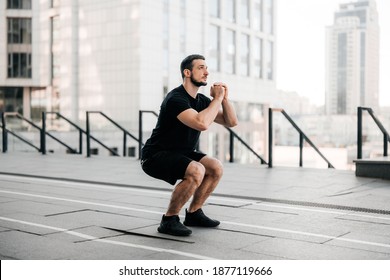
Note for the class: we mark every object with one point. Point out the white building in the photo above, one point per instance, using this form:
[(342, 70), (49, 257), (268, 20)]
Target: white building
[(352, 64), (122, 56)]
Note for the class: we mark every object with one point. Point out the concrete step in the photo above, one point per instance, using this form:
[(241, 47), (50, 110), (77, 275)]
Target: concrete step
[(373, 168)]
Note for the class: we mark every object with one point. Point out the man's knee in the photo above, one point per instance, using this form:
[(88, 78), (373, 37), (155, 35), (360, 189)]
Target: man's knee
[(215, 168), (195, 172)]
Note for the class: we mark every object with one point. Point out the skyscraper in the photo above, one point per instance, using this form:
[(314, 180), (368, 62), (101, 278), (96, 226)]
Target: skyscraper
[(352, 58)]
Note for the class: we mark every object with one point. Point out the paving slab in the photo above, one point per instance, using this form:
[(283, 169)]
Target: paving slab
[(73, 207)]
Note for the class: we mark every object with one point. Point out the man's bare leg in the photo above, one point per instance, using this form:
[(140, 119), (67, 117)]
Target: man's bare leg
[(193, 178), (213, 174)]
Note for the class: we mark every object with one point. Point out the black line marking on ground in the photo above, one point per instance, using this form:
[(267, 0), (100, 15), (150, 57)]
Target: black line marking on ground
[(229, 206), (125, 232), (245, 232), (362, 221), (69, 212)]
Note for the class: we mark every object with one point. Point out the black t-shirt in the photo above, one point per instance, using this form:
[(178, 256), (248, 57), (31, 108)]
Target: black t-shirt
[(170, 134)]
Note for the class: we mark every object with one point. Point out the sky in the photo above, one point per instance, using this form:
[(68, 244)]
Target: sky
[(301, 47)]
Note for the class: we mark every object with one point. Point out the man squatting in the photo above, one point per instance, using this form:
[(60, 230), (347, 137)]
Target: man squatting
[(169, 154)]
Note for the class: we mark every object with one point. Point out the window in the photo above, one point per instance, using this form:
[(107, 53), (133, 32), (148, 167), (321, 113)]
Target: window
[(269, 53), (269, 11), (55, 50), (342, 55), (19, 4), (258, 57), (183, 27), (38, 103), (214, 48), (11, 99), (244, 54), (2, 100), (244, 13), (230, 10), (19, 65), (214, 6), (19, 30), (362, 67), (55, 3), (230, 65), (257, 15), (165, 36)]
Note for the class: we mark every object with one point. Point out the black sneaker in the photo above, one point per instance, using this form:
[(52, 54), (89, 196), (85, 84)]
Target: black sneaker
[(172, 225), (199, 219)]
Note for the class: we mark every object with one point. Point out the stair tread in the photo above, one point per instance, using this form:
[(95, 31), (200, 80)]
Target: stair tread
[(383, 160)]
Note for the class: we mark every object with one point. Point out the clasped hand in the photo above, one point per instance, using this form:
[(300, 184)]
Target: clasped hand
[(219, 91)]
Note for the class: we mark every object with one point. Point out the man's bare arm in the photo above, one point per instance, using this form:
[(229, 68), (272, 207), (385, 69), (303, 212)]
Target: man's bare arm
[(202, 120), (227, 116)]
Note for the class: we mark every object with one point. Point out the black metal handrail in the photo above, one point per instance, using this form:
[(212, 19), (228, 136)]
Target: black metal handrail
[(231, 146), (231, 138), (125, 134), (386, 136), (5, 132), (42, 133), (43, 139), (302, 137)]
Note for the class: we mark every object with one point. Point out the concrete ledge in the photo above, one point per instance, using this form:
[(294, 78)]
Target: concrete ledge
[(373, 168)]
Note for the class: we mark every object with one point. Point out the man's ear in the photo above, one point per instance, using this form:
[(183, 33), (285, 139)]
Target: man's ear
[(187, 72)]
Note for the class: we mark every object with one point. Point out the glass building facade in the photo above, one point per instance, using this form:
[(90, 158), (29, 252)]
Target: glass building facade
[(353, 58), (120, 57)]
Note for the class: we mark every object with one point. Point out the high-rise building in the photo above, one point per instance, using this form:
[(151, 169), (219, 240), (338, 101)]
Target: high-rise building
[(122, 56), (352, 58)]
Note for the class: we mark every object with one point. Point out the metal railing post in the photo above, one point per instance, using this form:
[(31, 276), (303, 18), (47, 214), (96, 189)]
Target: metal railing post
[(231, 147), (140, 134), (385, 144), (5, 135), (300, 149), (124, 143), (43, 134), (80, 141), (88, 136), (270, 137), (359, 133)]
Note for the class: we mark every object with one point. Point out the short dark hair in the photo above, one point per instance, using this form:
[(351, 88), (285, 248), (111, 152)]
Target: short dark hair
[(187, 62)]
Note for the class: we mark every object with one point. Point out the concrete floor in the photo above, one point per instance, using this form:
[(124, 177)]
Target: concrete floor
[(105, 208)]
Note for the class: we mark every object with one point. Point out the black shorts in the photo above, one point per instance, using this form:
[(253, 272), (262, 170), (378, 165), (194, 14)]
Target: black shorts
[(168, 165)]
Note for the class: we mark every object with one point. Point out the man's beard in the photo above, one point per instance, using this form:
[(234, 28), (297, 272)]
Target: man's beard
[(196, 83)]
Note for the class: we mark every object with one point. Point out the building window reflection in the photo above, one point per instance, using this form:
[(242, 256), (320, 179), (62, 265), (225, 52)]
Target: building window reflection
[(19, 4), (230, 65), (230, 10), (11, 99), (269, 16), (244, 55), (214, 8), (269, 53), (19, 30), (257, 15), (244, 13), (19, 65), (258, 57), (214, 48)]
